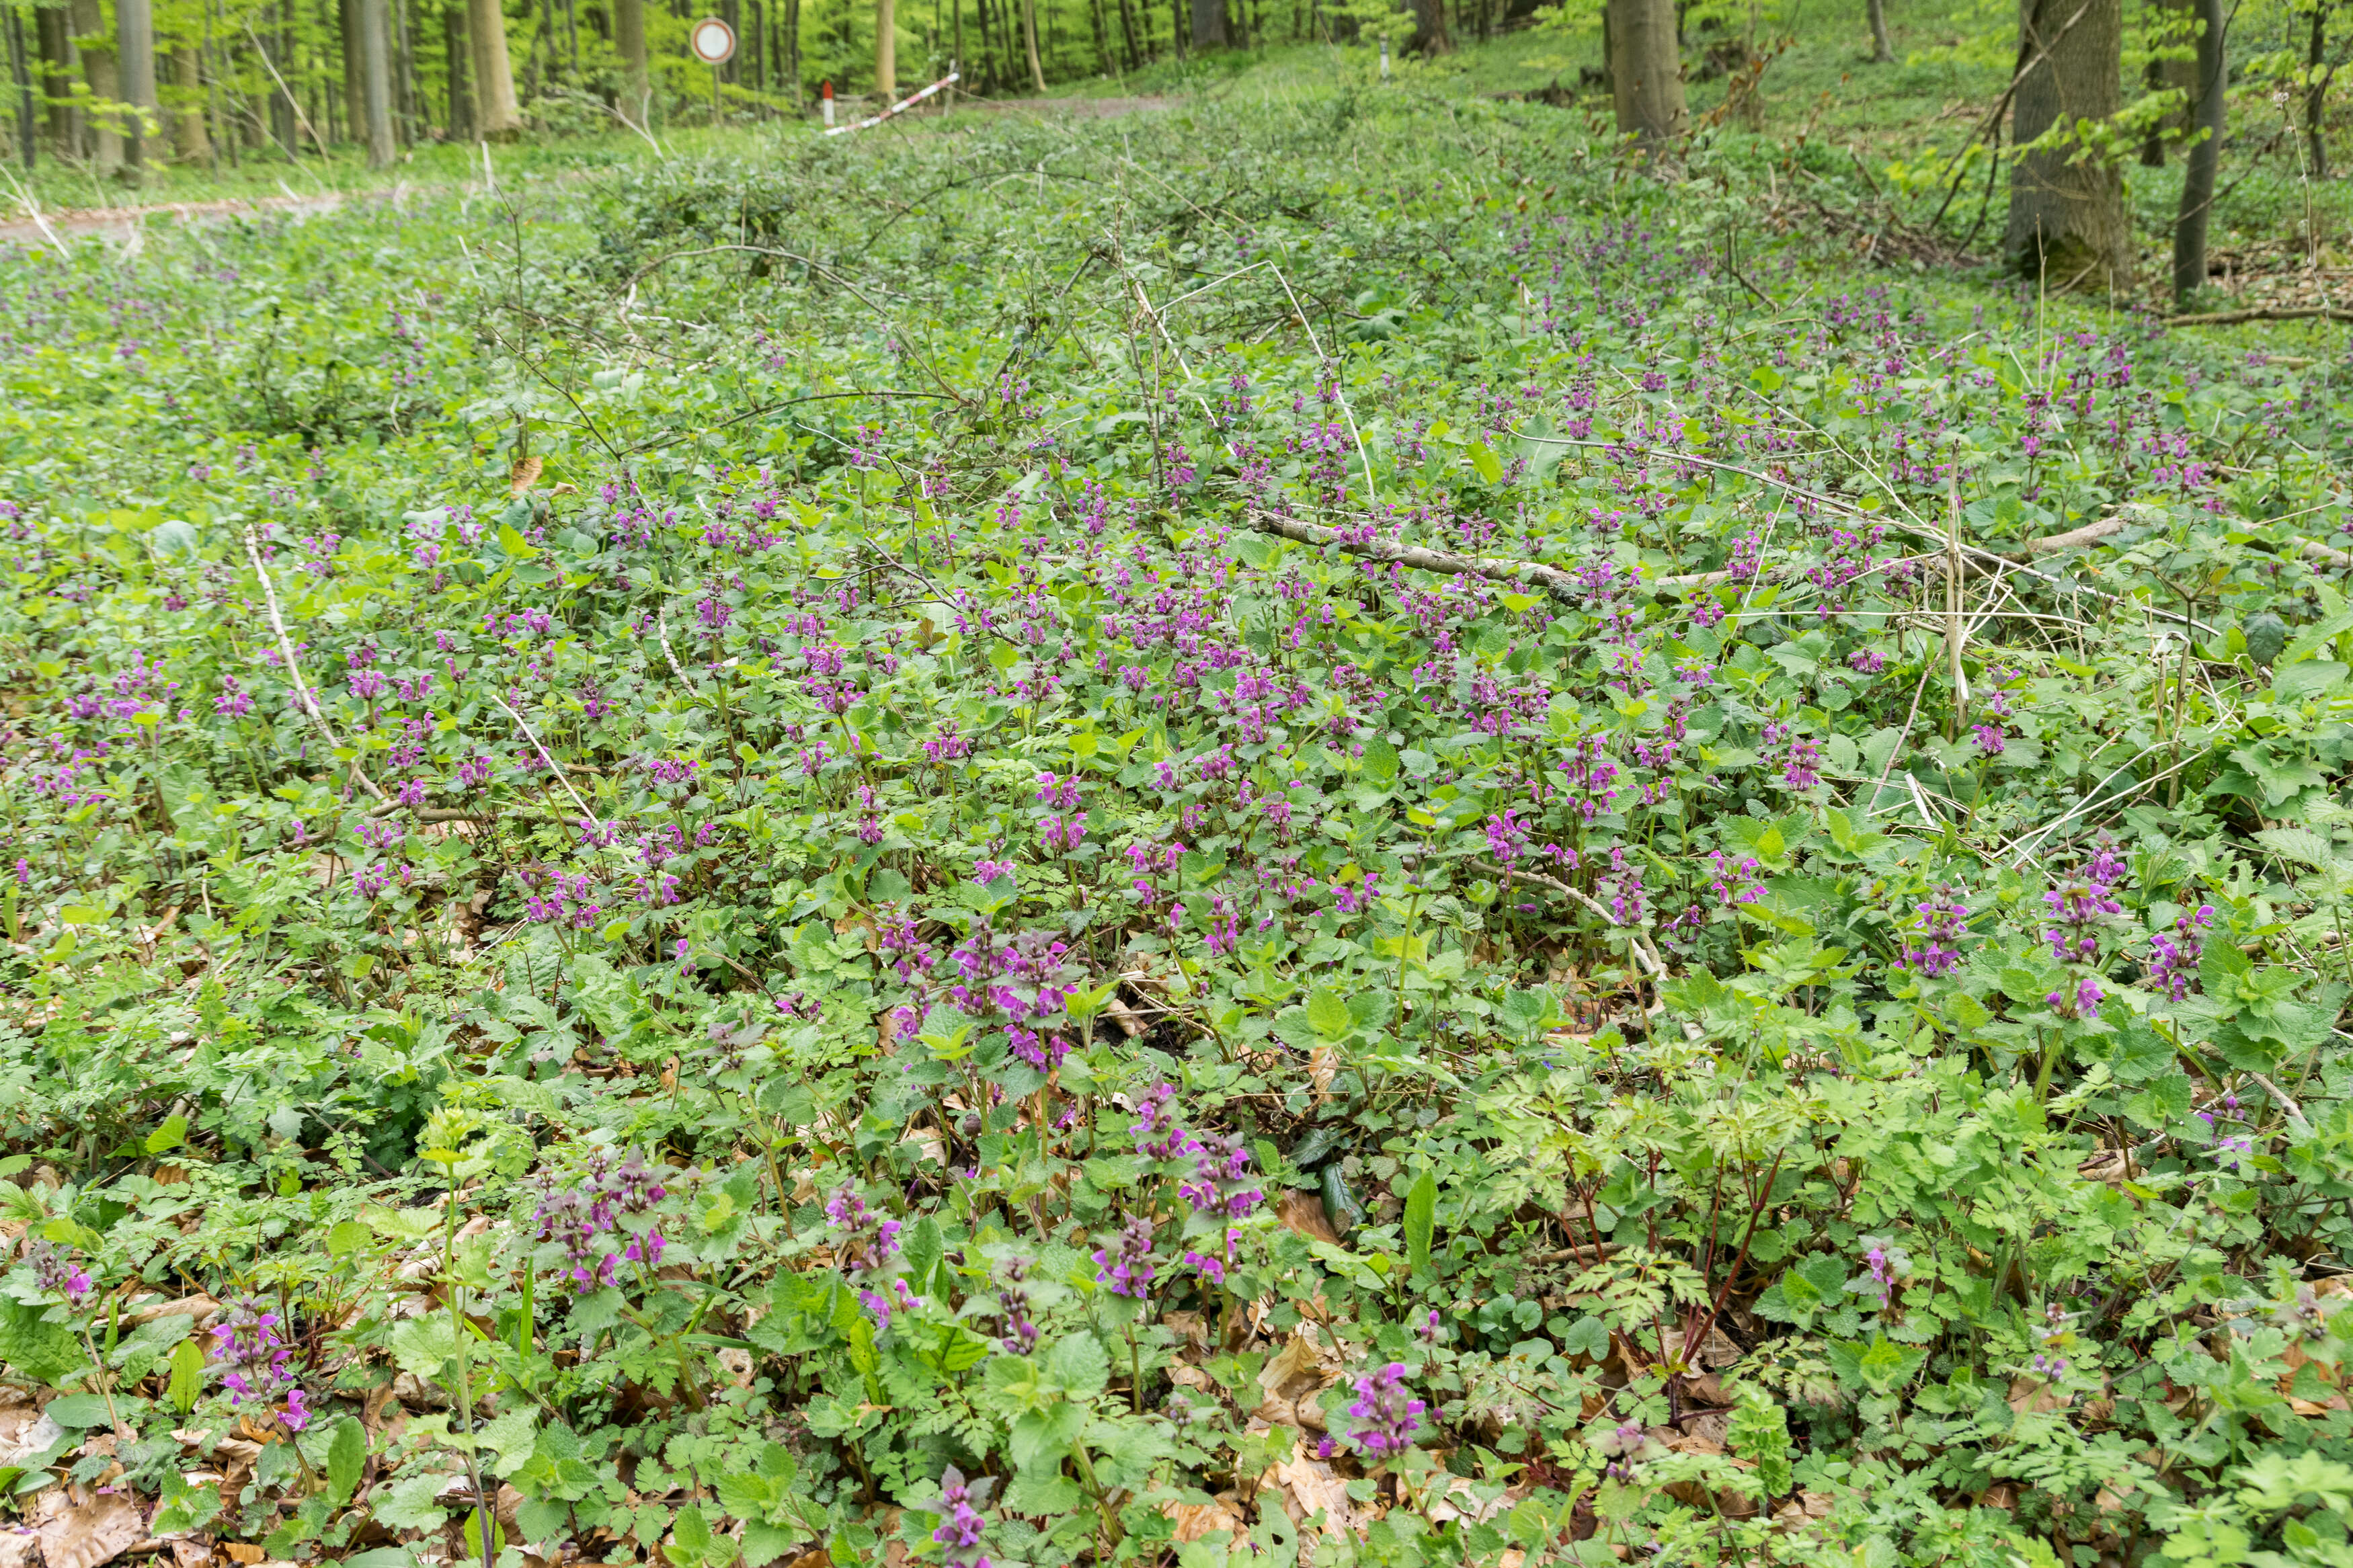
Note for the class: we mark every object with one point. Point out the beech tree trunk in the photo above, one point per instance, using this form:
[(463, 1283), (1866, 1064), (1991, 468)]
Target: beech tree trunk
[(1030, 42), (2067, 217), (134, 28), (1646, 71), (347, 23), (496, 117), (1209, 23), (2210, 111), (460, 120), (1429, 27), (637, 75), (1882, 52), (188, 136), (886, 51), (2316, 92), (2170, 26), (376, 81), (98, 70), (58, 60)]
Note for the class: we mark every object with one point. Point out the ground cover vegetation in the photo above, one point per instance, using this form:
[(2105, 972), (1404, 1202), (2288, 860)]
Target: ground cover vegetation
[(1357, 828)]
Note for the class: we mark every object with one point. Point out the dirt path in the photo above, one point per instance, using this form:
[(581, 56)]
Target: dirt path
[(123, 224)]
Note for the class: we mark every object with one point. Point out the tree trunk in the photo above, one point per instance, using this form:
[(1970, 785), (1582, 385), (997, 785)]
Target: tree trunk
[(496, 118), (2315, 92), (98, 70), (1102, 37), (188, 137), (2067, 218), (1209, 23), (886, 51), (24, 99), (1029, 41), (1429, 27), (1882, 52), (2170, 27), (636, 78), (459, 121), (1646, 71), (135, 26), (2211, 105), (347, 26), (1127, 32), (58, 60), (376, 81)]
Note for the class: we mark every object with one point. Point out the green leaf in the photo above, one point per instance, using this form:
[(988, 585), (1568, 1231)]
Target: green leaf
[(1078, 1365), (43, 1351), (187, 1384), (1759, 1431), (1328, 1014), (346, 1237), (170, 1135), (346, 1458), (424, 1345), (1380, 760), (1043, 1438), (1420, 1218)]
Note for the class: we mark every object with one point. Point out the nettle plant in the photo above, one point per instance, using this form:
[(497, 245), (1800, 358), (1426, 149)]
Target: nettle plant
[(1121, 877)]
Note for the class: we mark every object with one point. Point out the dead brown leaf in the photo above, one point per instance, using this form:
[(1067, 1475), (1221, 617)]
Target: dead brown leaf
[(1308, 1485), (86, 1534), (1303, 1213), (1195, 1521), (524, 474)]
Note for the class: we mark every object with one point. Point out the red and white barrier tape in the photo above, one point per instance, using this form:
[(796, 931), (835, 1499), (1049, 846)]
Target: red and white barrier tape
[(904, 103)]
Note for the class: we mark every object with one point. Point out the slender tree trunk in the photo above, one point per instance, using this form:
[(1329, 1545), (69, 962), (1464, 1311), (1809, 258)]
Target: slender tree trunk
[(793, 47), (135, 26), (2211, 105), (1646, 71), (2315, 90), (636, 80), (376, 81), (1882, 53), (460, 121), (24, 98), (886, 52), (1430, 35), (1030, 42), (1209, 23), (2066, 222), (98, 70), (2170, 26), (347, 28), (963, 65), (1177, 29), (1127, 32), (496, 117), (58, 60), (189, 141), (1103, 39)]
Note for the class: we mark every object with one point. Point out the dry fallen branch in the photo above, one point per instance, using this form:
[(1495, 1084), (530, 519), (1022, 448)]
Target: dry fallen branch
[(307, 702), (2262, 313)]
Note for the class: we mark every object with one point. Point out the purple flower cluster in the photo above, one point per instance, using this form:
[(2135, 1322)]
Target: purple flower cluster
[(961, 1523), (2082, 904), (583, 1215), (1126, 1264), (2173, 960), (253, 1356), (1932, 947), (870, 1258), (57, 1273), (1387, 1417)]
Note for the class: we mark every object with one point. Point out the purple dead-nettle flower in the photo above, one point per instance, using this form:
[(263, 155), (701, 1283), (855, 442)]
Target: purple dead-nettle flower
[(1156, 1133), (870, 1258), (2083, 1004), (1885, 1266), (1801, 765), (1386, 1416), (1220, 1183), (1431, 1329), (1013, 1296), (2173, 959), (1126, 1264), (584, 1215), (57, 1273), (2079, 906), (232, 703), (961, 1524), (252, 1353), (2234, 1153), (1933, 944)]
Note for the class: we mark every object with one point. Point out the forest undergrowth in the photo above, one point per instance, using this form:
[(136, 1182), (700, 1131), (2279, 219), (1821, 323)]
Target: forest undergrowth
[(1326, 832)]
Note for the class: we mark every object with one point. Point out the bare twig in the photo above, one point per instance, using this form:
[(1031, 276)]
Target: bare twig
[(306, 701), (534, 737)]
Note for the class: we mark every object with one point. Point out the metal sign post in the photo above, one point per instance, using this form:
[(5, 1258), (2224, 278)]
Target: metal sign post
[(713, 43)]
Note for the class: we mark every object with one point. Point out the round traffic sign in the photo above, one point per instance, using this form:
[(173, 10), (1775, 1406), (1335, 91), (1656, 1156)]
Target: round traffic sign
[(713, 41)]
